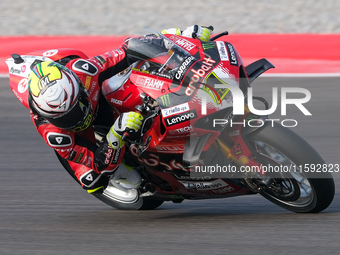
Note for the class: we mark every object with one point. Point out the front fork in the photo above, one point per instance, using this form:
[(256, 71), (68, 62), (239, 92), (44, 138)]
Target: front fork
[(234, 147)]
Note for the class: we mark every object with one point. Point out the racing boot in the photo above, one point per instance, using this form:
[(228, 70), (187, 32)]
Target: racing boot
[(126, 177)]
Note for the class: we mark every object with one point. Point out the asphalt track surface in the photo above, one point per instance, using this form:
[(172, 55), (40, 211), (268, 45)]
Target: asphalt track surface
[(44, 211)]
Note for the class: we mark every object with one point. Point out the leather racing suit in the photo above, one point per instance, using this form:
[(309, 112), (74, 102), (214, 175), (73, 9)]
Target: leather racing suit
[(91, 163)]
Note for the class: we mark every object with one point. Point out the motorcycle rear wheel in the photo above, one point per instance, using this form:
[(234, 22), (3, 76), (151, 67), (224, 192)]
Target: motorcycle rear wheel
[(112, 196), (127, 200), (299, 190)]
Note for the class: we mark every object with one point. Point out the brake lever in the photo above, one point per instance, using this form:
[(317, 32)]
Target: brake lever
[(126, 135), (127, 132)]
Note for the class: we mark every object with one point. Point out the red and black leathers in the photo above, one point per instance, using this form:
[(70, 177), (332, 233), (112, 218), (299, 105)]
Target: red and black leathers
[(89, 161)]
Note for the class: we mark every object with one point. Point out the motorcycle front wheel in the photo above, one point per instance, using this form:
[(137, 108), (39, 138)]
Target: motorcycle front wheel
[(304, 182)]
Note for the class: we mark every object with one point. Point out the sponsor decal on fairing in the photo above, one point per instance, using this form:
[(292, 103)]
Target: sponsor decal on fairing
[(222, 50), (149, 83), (184, 67), (177, 119), (211, 185), (199, 74), (116, 101), (175, 110), (185, 44), (183, 130), (170, 149), (232, 55)]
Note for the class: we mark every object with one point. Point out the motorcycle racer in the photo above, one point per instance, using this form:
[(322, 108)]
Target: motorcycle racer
[(65, 99)]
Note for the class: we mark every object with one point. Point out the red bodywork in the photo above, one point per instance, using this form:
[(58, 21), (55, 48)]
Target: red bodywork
[(163, 155)]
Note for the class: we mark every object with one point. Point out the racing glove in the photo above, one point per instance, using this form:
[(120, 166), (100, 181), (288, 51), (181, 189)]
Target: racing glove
[(200, 32), (127, 121), (172, 31)]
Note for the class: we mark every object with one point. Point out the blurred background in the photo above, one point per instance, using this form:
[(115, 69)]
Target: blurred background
[(118, 17), (44, 211)]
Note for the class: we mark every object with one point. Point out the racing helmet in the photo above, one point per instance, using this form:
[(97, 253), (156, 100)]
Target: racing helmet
[(57, 94)]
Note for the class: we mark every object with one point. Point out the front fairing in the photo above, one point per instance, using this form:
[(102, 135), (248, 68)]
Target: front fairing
[(162, 57), (174, 69), (181, 74), (161, 66)]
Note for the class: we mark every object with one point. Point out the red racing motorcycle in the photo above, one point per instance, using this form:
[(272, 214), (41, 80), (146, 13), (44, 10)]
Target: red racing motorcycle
[(188, 147)]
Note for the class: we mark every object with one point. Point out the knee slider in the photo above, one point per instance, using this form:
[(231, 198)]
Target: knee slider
[(93, 181)]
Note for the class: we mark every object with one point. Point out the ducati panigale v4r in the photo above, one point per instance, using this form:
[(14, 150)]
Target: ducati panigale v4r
[(187, 147)]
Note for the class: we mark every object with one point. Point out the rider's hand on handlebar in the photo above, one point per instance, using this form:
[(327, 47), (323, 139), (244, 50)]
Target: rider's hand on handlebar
[(201, 32), (126, 122)]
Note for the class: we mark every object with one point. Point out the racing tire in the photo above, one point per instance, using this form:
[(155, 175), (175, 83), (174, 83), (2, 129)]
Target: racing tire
[(306, 191), (115, 197), (142, 203)]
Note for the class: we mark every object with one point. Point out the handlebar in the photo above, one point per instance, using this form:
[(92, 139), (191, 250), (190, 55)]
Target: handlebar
[(219, 35), (149, 115)]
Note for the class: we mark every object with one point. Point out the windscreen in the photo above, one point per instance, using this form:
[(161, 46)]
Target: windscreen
[(159, 55)]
